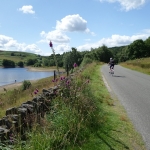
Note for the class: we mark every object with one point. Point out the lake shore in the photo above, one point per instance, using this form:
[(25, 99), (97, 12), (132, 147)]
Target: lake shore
[(18, 84), (13, 86), (43, 69)]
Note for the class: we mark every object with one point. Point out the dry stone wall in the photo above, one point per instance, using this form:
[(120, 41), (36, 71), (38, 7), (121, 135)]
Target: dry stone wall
[(20, 119)]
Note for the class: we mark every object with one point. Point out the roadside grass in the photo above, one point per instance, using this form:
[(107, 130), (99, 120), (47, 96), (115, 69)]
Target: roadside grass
[(141, 65), (91, 120), (116, 132)]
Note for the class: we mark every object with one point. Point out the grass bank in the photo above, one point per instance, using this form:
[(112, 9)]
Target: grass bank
[(86, 118), (14, 96), (141, 65)]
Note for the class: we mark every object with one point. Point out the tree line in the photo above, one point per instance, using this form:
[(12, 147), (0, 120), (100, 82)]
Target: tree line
[(137, 49)]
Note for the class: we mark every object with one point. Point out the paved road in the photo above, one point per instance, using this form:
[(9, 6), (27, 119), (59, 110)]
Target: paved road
[(133, 90)]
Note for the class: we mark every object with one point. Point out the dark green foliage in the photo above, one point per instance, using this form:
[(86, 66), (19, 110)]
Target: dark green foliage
[(70, 58), (46, 62), (38, 64), (31, 62), (8, 63), (86, 61), (20, 64), (103, 54), (136, 50), (12, 54), (26, 84), (147, 44)]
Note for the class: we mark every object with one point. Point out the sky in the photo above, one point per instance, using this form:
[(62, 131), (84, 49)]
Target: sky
[(29, 25)]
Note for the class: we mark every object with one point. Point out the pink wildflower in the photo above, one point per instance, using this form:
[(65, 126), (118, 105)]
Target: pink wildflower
[(75, 65), (50, 44), (68, 82), (62, 78), (35, 92)]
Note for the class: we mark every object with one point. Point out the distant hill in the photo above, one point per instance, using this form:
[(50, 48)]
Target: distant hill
[(17, 56)]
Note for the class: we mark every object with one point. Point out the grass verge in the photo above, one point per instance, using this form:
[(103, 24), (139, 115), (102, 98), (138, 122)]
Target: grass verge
[(141, 65), (116, 132), (86, 118)]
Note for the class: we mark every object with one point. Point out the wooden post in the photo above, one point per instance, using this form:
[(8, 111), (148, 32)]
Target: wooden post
[(54, 75), (67, 70)]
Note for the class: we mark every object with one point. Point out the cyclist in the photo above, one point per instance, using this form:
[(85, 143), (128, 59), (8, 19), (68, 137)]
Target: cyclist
[(111, 64)]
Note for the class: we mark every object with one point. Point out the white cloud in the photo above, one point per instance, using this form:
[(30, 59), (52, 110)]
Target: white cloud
[(62, 48), (72, 23), (8, 43), (31, 48), (115, 40), (127, 4), (28, 9), (56, 36), (59, 36)]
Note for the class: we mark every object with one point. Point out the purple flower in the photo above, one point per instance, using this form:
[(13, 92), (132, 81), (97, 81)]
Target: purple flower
[(35, 92), (68, 82), (62, 78), (50, 44), (75, 65)]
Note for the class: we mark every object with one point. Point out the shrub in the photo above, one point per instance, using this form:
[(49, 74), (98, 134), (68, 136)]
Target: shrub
[(26, 85), (86, 61)]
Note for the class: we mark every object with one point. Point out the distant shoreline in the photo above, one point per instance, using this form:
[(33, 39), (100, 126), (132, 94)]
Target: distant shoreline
[(18, 84), (13, 85), (41, 69)]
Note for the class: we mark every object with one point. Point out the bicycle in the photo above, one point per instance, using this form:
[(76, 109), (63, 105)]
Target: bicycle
[(111, 70)]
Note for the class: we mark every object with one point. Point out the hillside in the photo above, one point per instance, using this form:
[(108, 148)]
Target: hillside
[(16, 56)]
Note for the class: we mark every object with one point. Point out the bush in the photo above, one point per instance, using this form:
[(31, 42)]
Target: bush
[(20, 64), (26, 85), (8, 63), (86, 61)]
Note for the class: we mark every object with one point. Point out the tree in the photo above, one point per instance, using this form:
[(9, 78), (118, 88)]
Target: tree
[(137, 49), (31, 62), (8, 63), (20, 64), (103, 54), (147, 44), (70, 58), (12, 54), (45, 62)]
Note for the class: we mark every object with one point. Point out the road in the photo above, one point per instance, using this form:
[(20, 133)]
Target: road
[(133, 90)]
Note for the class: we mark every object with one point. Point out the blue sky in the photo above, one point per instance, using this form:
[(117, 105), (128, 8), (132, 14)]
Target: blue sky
[(29, 25)]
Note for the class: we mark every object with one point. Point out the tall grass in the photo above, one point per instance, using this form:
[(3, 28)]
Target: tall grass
[(142, 65)]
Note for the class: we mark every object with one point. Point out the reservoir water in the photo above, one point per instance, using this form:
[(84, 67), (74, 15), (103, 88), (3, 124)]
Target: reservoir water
[(9, 75)]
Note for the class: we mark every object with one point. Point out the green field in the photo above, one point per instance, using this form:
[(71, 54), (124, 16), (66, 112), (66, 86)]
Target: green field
[(16, 56)]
